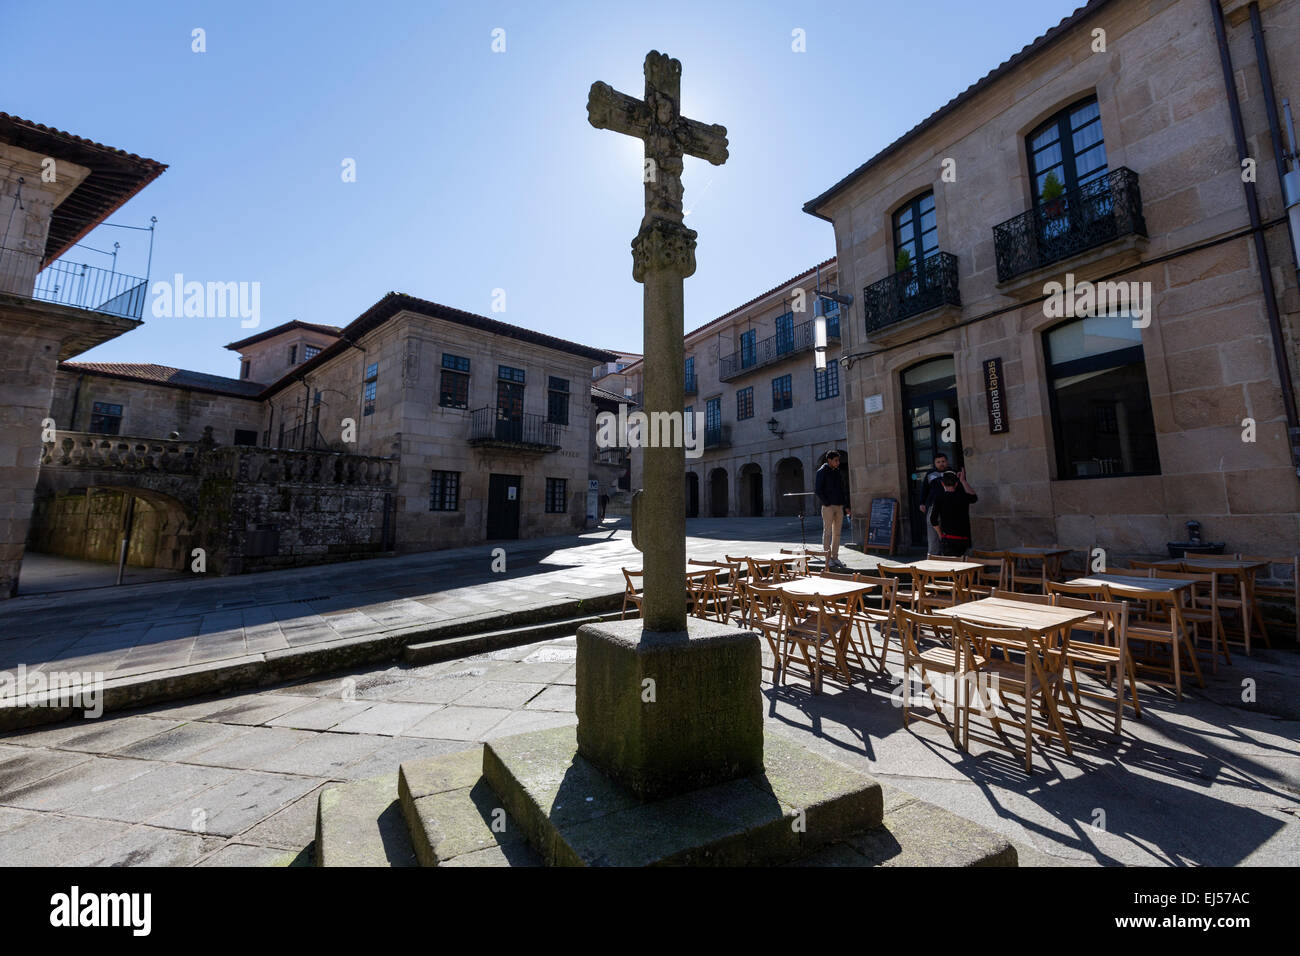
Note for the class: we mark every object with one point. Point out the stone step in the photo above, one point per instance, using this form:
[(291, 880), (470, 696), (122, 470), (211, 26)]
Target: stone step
[(447, 814), (361, 824), (428, 652)]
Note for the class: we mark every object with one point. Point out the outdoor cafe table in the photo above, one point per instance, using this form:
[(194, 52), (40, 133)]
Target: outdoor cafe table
[(835, 589), (1244, 572), (1041, 619)]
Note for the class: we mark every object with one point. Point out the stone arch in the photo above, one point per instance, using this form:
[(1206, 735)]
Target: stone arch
[(85, 522), (788, 478), (692, 494), (718, 505), (749, 491)]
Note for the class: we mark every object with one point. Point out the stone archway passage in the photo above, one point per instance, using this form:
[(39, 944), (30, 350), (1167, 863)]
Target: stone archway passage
[(718, 505), (790, 481), (692, 495), (86, 523), (749, 491)]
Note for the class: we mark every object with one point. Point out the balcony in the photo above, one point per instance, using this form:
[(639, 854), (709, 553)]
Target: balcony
[(905, 294), (504, 428), (72, 284), (1104, 210), (773, 349), (717, 437)]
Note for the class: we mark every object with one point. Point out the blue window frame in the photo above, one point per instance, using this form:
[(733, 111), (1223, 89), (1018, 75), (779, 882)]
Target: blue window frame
[(745, 403), (827, 380), (372, 388), (782, 393), (785, 333), (747, 357)]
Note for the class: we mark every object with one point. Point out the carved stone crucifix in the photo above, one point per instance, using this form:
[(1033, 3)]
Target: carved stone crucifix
[(663, 255)]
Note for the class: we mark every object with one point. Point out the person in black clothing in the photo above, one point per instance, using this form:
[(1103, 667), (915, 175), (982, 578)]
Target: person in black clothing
[(833, 496), (929, 489), (950, 513)]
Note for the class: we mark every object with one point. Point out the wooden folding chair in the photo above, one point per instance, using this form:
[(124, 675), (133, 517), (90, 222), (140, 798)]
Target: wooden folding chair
[(728, 593), (1020, 596), (1029, 678), (812, 624), (1105, 650), (808, 554), (883, 618), (1202, 608), (1155, 566), (765, 613), (630, 594), (703, 599), (991, 576), (930, 647), (936, 589), (1161, 627), (905, 577)]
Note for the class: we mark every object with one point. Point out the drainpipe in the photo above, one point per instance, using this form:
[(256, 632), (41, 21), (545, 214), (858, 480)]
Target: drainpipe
[(76, 397), (1261, 247), (1274, 130)]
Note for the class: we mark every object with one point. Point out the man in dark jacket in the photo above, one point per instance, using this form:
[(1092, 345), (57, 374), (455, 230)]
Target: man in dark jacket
[(833, 496), (950, 513), (931, 487)]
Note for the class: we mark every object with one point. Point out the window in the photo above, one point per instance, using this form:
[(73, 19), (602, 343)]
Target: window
[(557, 401), (245, 436), (293, 355), (747, 349), (782, 395), (454, 389), (105, 419), (831, 310), (916, 230), (310, 352), (243, 368), (556, 499), (508, 374), (1101, 406), (690, 373), (444, 491), (745, 403), (1070, 146), (785, 333), (688, 422), (827, 380), (713, 416), (372, 387)]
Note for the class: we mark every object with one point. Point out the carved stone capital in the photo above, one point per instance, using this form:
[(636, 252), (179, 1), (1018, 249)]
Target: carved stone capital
[(663, 245)]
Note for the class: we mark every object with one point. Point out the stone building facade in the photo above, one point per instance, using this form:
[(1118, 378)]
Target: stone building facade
[(491, 422), (1107, 424), (770, 416), (269, 355), (54, 188)]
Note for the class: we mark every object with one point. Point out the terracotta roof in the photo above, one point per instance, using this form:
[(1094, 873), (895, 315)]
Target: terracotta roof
[(1036, 46), (395, 302), (115, 176), (740, 308), (281, 329), (168, 376)]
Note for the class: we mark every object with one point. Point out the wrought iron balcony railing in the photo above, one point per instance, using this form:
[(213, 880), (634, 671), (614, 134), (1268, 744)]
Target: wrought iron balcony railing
[(503, 426), (1080, 219), (927, 285), (774, 348), (717, 437), (71, 283)]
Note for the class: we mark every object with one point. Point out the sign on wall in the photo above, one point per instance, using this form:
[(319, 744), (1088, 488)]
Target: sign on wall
[(995, 393), (593, 499)]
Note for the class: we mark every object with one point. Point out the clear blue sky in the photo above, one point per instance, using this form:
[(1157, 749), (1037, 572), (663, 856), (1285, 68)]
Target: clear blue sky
[(476, 170)]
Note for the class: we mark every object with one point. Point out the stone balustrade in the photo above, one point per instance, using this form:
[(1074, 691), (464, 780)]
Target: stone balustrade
[(121, 453)]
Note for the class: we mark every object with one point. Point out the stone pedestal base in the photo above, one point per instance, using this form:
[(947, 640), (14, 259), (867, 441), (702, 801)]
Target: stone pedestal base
[(661, 714)]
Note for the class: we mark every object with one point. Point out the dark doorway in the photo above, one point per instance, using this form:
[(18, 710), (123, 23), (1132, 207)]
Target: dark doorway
[(718, 493), (930, 426), (692, 495), (751, 491), (503, 507), (789, 488)]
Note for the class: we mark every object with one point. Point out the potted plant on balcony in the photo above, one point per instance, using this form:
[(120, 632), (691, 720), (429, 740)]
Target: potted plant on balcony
[(1053, 191), (906, 273)]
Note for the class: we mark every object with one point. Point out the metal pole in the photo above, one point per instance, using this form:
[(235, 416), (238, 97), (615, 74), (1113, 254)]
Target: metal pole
[(126, 536)]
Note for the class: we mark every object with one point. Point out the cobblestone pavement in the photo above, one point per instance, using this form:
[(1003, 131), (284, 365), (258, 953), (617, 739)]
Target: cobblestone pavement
[(235, 780), (178, 625)]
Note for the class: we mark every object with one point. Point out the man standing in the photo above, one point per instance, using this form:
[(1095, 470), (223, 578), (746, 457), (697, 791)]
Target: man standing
[(950, 513), (833, 496)]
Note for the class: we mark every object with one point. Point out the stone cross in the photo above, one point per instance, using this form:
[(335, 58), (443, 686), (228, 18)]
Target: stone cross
[(663, 255)]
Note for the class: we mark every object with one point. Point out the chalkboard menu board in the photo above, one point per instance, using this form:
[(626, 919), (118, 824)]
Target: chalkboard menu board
[(882, 524)]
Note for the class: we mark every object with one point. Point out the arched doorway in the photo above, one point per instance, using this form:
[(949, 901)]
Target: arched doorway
[(749, 493), (789, 481), (89, 524), (718, 493), (692, 495)]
